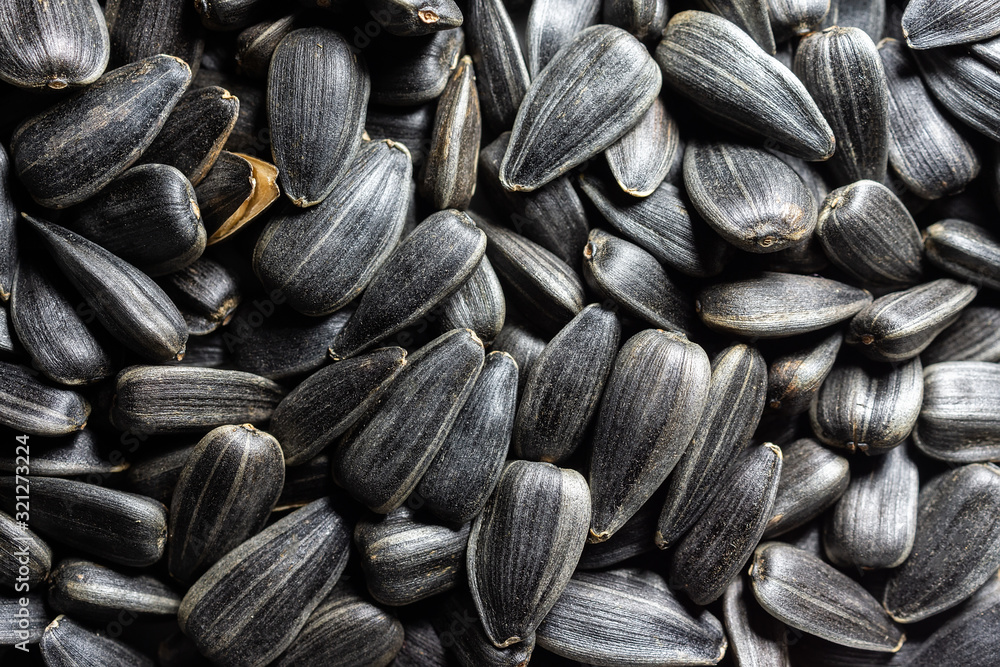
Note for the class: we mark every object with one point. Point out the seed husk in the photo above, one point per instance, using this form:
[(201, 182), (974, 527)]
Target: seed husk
[(643, 157), (964, 250), (263, 193), (750, 197), (7, 346), (224, 195), (629, 617), (65, 643), (966, 84), (900, 325), (603, 67), (69, 456), (873, 524), (246, 611), (925, 149), (225, 493), (181, 399), (33, 554), (93, 592), (422, 647), (637, 443), (503, 75), (957, 544), (868, 233), (51, 330), (867, 407), (138, 30), (286, 344), (869, 15), (255, 45), (17, 626), (116, 526), (430, 265), (523, 345), (750, 15), (812, 479), (229, 14), (842, 71), (551, 25), (459, 627), (29, 406), (317, 92), (929, 24), (478, 305), (348, 630), (330, 401), (382, 461), (323, 257), (410, 18), (643, 18), (69, 152), (449, 177), (8, 222), (53, 46), (564, 386), (665, 224), (148, 216), (778, 305), (757, 95), (156, 477), (407, 558), (524, 546), (802, 591), (792, 18), (756, 638), (968, 638), (975, 336), (207, 292), (632, 539), (959, 418), (795, 377), (465, 470), (413, 70), (735, 402)]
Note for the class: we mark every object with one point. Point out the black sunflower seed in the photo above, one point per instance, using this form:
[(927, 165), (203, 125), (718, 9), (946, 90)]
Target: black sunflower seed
[(97, 593), (503, 75), (959, 420), (812, 479)]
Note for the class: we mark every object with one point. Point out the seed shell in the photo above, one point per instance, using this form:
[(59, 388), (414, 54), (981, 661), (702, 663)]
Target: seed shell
[(757, 639), (959, 418), (208, 293), (229, 14), (69, 456), (643, 157), (139, 29), (757, 94), (478, 305), (181, 399), (29, 406), (795, 377), (409, 18), (524, 546), (750, 15), (873, 524), (255, 46), (964, 250), (975, 336), (413, 70), (957, 544), (812, 479), (523, 345), (20, 622), (225, 194), (551, 25), (116, 526), (556, 130), (407, 558), (422, 647), (412, 126), (868, 15), (156, 477), (286, 344), (643, 18), (968, 638), (24, 557), (792, 18), (91, 591), (8, 222), (382, 462), (65, 643), (929, 24), (967, 85), (69, 152), (503, 75)]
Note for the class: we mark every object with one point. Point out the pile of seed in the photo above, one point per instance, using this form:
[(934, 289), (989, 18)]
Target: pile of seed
[(424, 333)]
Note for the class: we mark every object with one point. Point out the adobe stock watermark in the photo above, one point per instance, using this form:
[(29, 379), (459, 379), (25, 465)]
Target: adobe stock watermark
[(22, 553)]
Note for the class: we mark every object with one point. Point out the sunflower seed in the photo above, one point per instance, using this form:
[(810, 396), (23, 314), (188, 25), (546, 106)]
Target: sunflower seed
[(246, 136), (966, 85), (929, 24), (523, 345), (524, 546), (148, 216), (643, 18), (411, 126), (331, 400), (551, 25), (449, 178), (422, 647), (139, 30), (970, 637), (793, 18), (637, 444), (65, 643), (286, 344), (777, 305), (564, 386), (751, 16), (51, 330), (53, 46), (867, 407), (959, 420), (465, 470), (413, 70), (802, 591), (246, 611), (316, 97), (410, 18), (478, 305), (956, 545), (323, 257), (873, 524), (664, 224), (713, 63), (735, 402), (29, 406), (407, 559), (927, 152), (552, 216), (7, 345), (461, 631), (868, 15), (964, 250), (899, 326), (503, 75), (643, 157), (208, 293), (632, 539), (757, 639), (382, 462), (812, 479), (345, 629), (94, 592), (626, 617), (76, 454), (975, 336), (255, 46), (157, 477), (225, 194), (795, 377), (69, 152), (179, 399), (555, 128), (8, 222), (868, 233), (20, 622), (229, 14), (751, 198), (24, 557), (123, 528)]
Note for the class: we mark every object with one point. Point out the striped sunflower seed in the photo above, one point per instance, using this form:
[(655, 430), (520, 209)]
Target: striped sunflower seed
[(503, 74), (523, 345), (422, 647), (750, 15), (91, 591), (975, 336), (69, 456), (964, 250), (29, 406), (410, 18), (287, 344), (794, 378), (959, 418), (411, 126), (207, 292), (551, 25), (414, 70), (306, 483), (968, 638), (139, 30), (255, 46), (966, 84), (930, 24), (793, 18), (18, 539), (644, 156), (756, 638), (812, 479), (65, 643), (8, 222), (869, 15), (643, 18), (478, 305), (229, 14)]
